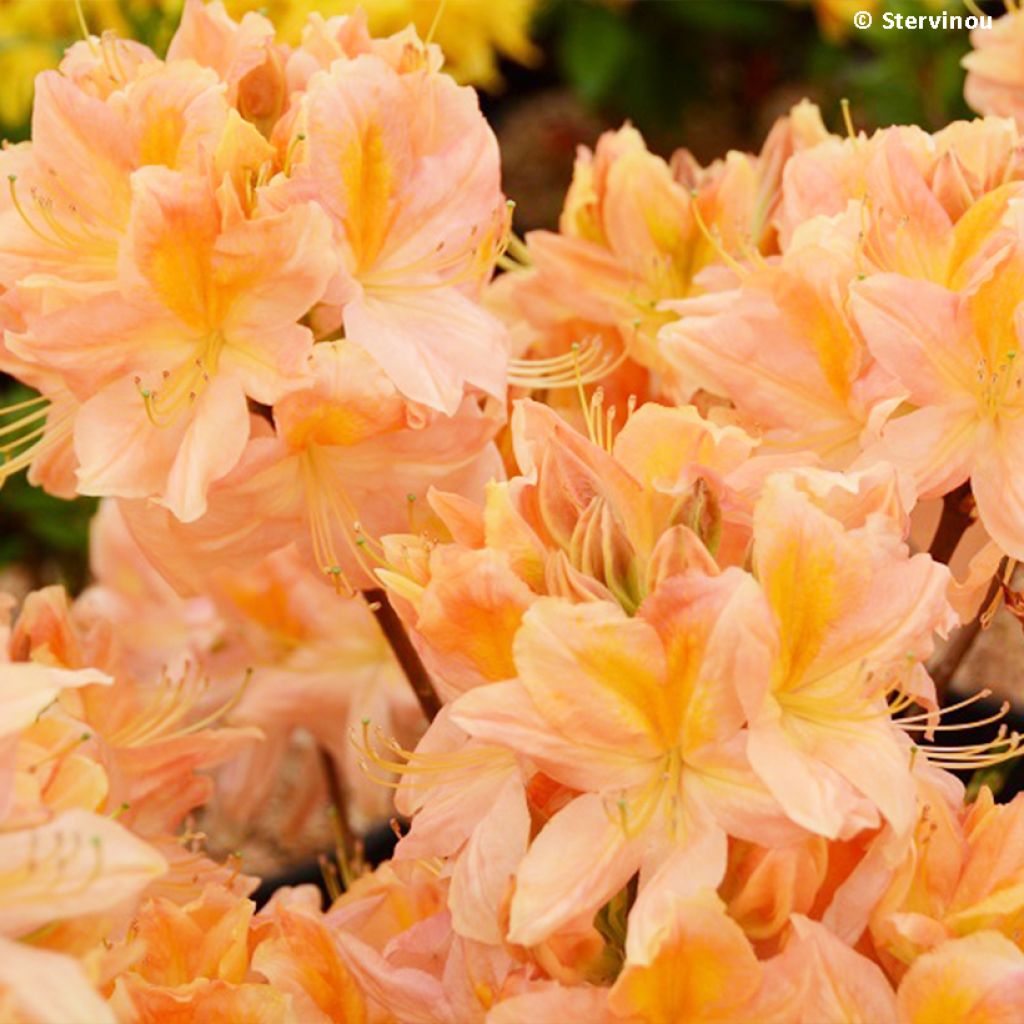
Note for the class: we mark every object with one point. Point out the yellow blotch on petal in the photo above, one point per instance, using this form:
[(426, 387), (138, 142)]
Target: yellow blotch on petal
[(369, 186), (800, 584), (703, 970)]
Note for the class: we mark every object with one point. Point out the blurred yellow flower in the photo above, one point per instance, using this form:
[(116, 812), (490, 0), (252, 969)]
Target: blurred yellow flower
[(473, 34), (835, 17), (33, 34)]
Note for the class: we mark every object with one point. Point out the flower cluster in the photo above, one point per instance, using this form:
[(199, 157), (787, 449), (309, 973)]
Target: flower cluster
[(644, 509), (474, 36)]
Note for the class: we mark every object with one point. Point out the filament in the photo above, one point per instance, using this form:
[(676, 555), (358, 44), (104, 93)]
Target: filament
[(714, 240), (329, 507), (585, 363), (851, 132), (397, 760), (183, 385)]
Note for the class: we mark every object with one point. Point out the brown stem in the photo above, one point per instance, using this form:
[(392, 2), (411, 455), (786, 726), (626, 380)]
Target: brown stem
[(344, 840), (412, 666), (962, 642), (955, 518)]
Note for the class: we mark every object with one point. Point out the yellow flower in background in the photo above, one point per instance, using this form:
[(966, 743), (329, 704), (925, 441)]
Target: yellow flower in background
[(33, 35), (835, 17), (472, 33)]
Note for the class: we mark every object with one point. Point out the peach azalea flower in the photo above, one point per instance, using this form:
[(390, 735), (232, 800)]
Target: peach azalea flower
[(407, 169), (850, 615), (954, 354), (657, 765), (978, 979), (41, 987)]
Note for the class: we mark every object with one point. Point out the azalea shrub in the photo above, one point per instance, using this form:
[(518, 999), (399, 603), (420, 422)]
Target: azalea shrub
[(622, 568)]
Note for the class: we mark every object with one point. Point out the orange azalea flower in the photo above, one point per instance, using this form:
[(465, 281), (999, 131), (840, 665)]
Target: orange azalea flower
[(851, 615), (977, 979), (76, 864), (37, 985), (994, 83), (201, 323), (954, 355), (142, 740), (210, 960), (407, 169), (641, 716), (963, 875), (636, 231), (317, 482), (926, 207), (599, 520)]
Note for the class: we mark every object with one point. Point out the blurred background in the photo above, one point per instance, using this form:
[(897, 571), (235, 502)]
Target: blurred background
[(710, 75)]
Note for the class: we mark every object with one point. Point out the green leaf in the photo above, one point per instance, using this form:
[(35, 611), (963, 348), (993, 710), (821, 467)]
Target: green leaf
[(593, 50)]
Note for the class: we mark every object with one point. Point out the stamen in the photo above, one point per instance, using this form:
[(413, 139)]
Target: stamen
[(585, 363), (289, 155), (84, 28), (11, 183), (60, 752), (595, 421), (329, 871), (519, 250), (851, 132), (40, 443), (175, 698), (435, 23), (471, 260), (36, 414), (432, 767), (713, 238), (183, 385), (329, 508), (980, 695), (1003, 711), (29, 403)]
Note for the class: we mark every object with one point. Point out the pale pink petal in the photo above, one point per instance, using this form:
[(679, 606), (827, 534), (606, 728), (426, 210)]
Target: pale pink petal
[(548, 1001), (691, 870), (595, 674), (812, 794), (919, 332), (123, 453), (48, 988), (431, 343), (413, 994), (120, 451), (504, 714), (936, 445), (211, 447), (83, 863), (977, 979), (720, 780), (484, 870), (835, 983), (26, 689), (997, 483), (579, 860)]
